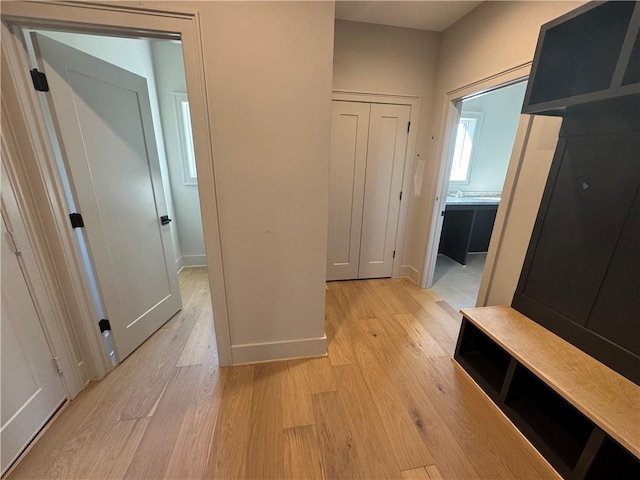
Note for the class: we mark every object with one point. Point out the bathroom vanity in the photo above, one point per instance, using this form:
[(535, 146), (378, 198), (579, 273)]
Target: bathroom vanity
[(467, 226)]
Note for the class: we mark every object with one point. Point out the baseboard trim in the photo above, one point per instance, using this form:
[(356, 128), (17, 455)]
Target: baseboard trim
[(179, 264), (194, 260), (264, 352), (409, 272), (14, 465), (186, 261)]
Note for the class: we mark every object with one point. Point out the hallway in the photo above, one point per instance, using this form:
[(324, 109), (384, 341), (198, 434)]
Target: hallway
[(386, 403)]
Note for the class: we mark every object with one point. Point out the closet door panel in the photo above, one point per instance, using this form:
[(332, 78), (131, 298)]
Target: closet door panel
[(349, 133), (386, 152)]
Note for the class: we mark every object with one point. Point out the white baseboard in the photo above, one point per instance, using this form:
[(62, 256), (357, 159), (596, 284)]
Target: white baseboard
[(264, 352), (190, 261), (407, 271), (194, 260)]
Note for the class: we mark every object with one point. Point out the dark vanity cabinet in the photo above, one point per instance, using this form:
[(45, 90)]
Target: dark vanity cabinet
[(467, 228)]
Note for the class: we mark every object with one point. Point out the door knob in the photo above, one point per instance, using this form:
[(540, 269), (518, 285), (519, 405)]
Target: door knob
[(165, 220)]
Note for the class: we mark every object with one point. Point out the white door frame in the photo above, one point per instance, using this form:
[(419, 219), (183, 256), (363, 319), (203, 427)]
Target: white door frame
[(448, 123), (399, 270), (123, 21)]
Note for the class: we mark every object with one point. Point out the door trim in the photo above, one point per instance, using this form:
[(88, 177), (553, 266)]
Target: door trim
[(26, 229), (123, 21), (399, 270), (448, 122)]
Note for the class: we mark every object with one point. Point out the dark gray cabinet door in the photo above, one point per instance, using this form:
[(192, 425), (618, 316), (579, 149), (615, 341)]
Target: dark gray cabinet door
[(591, 197), (616, 312)]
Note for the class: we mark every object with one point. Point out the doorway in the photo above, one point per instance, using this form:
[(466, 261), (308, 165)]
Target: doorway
[(107, 144), (118, 113), (480, 152)]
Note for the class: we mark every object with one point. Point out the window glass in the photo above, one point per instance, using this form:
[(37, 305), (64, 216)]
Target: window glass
[(186, 139), (463, 150)]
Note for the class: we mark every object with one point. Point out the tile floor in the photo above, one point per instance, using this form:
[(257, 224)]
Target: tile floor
[(458, 284)]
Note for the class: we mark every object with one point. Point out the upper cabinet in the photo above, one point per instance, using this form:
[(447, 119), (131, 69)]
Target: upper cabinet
[(587, 55)]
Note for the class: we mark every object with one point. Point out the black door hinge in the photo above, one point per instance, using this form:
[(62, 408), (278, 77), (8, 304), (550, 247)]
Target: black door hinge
[(39, 80), (104, 325), (400, 195), (394, 254), (76, 220), (408, 127)]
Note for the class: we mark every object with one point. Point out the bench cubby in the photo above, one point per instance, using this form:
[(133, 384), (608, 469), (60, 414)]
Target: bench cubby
[(581, 416)]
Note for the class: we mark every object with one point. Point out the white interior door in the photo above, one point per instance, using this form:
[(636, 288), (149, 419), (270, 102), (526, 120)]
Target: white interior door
[(103, 122), (387, 147), (349, 134), (31, 390)]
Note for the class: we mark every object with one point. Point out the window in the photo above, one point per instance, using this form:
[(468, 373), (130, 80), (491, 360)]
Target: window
[(468, 126), (186, 138)]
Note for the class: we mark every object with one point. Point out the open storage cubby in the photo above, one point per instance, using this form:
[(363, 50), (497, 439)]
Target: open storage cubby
[(578, 413), (586, 55), (611, 454), (550, 423), (485, 361), (580, 55)]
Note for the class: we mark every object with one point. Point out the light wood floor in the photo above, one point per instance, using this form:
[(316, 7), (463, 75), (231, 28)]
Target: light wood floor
[(387, 402)]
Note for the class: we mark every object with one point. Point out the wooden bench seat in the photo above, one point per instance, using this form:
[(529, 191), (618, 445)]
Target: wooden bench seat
[(501, 348)]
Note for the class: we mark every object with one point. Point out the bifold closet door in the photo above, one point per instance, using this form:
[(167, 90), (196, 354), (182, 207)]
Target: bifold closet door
[(387, 147), (349, 134)]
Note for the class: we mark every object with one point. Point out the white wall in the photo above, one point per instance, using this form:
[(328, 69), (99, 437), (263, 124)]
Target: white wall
[(168, 66), (268, 69), (493, 38), (391, 60), (500, 111), (133, 55)]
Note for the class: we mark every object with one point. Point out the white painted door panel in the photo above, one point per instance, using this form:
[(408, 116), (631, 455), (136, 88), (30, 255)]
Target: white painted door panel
[(387, 147), (349, 133), (31, 389), (103, 120)]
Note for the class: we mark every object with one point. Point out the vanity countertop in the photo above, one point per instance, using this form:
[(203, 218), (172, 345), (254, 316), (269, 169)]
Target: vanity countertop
[(473, 200)]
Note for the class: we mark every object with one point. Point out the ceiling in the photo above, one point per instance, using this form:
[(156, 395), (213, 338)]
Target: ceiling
[(435, 16)]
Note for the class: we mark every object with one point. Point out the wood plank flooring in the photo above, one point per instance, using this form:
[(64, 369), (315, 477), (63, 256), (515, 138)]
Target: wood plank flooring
[(387, 402)]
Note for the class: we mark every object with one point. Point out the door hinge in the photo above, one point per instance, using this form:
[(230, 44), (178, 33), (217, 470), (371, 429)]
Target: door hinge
[(408, 127), (56, 360), (394, 254), (16, 247), (442, 213), (104, 325), (400, 195), (39, 80), (76, 220)]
